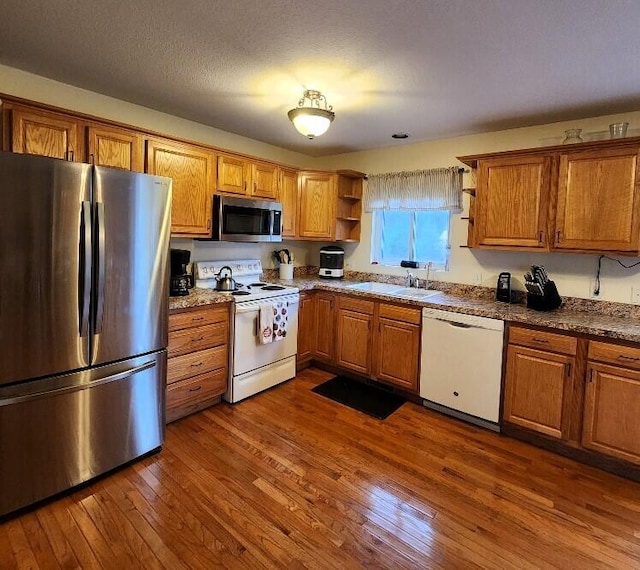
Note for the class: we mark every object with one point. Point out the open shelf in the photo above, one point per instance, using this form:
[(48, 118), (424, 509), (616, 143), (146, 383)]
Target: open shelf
[(349, 205), (348, 219)]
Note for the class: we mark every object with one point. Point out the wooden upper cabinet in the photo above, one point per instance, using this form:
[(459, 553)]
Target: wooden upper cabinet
[(288, 196), (317, 205), (611, 411), (537, 390), (598, 201), (512, 201), (35, 131), (114, 147), (192, 171), (264, 180), (234, 175)]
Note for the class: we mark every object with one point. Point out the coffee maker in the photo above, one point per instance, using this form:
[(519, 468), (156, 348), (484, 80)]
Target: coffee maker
[(179, 284)]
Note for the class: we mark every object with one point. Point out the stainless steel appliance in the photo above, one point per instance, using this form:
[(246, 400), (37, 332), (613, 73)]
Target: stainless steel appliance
[(244, 219), (254, 367), (83, 322), (461, 366), (331, 262)]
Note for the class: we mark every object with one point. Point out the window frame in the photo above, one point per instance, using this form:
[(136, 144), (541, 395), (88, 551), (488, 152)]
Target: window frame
[(376, 239)]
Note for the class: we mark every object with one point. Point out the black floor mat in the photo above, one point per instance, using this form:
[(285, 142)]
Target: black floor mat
[(365, 398)]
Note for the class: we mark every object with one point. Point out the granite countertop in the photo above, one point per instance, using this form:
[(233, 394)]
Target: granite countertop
[(460, 299)]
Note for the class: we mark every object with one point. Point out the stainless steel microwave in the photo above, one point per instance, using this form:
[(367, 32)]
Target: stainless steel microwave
[(245, 219)]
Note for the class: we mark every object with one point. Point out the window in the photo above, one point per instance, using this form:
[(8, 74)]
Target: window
[(421, 236)]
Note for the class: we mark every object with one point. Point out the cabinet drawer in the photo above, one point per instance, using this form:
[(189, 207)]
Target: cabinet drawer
[(198, 318), (189, 365), (404, 314), (198, 338), (187, 396), (357, 305), (543, 340), (626, 356)]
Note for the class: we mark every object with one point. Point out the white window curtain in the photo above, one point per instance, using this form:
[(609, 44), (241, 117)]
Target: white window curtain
[(418, 190)]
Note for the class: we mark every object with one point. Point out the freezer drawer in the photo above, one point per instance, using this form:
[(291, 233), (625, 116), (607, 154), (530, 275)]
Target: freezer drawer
[(61, 431)]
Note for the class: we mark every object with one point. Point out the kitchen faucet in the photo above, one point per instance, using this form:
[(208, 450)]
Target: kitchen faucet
[(411, 281)]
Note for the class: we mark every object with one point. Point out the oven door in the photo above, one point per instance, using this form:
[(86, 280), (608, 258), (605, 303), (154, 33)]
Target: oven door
[(248, 353)]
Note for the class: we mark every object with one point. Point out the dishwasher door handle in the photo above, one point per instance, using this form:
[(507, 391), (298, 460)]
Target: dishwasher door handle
[(457, 324)]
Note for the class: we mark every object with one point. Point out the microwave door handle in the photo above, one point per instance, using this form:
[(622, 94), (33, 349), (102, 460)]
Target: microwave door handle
[(272, 222)]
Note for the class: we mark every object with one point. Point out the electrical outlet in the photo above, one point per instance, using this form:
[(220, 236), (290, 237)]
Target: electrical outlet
[(477, 278), (635, 295), (592, 289)]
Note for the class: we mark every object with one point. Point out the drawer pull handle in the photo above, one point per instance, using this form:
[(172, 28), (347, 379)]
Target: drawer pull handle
[(195, 389), (624, 357), (197, 339), (197, 319), (196, 364), (543, 340)]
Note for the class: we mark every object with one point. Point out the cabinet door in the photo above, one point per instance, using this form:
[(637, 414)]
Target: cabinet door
[(317, 205), (191, 169), (612, 412), (264, 180), (234, 174), (325, 327), (598, 201), (45, 134), (512, 201), (354, 341), (537, 388), (288, 196), (306, 327), (397, 353), (117, 148)]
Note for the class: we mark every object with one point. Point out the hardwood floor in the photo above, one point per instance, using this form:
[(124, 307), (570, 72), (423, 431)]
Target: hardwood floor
[(288, 479)]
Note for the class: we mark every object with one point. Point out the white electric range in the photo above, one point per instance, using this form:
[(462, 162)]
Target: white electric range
[(253, 366)]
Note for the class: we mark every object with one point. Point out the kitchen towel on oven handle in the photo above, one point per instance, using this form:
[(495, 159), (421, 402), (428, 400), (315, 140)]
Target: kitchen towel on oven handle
[(280, 320), (266, 319)]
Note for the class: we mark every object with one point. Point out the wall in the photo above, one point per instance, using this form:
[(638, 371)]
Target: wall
[(573, 273)]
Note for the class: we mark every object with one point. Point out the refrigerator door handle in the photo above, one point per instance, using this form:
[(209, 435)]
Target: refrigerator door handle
[(79, 386), (102, 264), (85, 267)]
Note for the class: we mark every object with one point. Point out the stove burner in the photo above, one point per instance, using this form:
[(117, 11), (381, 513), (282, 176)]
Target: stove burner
[(273, 288), (241, 293), (256, 284)]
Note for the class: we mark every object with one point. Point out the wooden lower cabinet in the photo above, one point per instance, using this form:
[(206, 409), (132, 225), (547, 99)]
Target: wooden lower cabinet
[(198, 360), (612, 411), (306, 328), (324, 346), (537, 386), (353, 346), (397, 346)]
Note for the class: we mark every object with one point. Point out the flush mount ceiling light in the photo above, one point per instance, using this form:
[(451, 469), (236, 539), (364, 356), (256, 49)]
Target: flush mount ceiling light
[(312, 116)]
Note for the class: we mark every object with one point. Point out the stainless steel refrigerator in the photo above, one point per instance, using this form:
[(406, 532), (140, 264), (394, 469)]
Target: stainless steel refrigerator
[(83, 322)]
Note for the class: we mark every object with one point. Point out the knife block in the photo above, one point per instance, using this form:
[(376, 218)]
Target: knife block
[(548, 301)]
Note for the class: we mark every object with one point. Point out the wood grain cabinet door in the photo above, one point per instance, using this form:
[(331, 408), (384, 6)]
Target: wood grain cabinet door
[(598, 201), (512, 201), (288, 196), (234, 174), (306, 327), (264, 180), (325, 327), (612, 412), (353, 349), (44, 133), (537, 388), (191, 169), (317, 205), (397, 353), (117, 148)]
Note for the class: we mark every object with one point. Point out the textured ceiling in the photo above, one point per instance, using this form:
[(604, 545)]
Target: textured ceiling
[(432, 68)]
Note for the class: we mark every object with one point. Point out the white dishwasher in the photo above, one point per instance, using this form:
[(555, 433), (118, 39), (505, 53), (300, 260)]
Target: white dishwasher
[(461, 365)]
